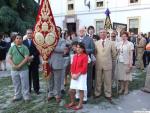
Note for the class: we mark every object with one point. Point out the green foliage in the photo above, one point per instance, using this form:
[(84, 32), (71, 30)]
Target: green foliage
[(17, 15)]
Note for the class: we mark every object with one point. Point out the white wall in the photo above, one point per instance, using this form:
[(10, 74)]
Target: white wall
[(120, 11)]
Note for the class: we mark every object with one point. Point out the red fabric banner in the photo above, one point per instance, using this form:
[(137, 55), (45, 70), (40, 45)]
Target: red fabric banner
[(45, 34)]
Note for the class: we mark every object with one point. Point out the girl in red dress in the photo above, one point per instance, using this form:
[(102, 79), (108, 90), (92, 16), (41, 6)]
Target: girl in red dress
[(78, 76)]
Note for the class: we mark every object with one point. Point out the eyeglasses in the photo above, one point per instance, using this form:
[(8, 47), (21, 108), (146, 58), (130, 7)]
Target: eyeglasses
[(113, 36), (29, 33), (19, 38)]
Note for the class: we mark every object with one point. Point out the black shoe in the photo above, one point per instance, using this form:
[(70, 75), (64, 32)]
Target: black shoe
[(109, 99), (37, 92), (63, 92), (96, 97), (16, 99), (84, 102), (89, 95)]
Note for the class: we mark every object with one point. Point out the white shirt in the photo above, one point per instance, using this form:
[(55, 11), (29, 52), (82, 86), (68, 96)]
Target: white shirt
[(80, 39), (125, 51), (7, 39), (12, 44)]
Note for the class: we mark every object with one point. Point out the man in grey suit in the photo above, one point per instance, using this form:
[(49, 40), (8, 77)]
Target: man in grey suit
[(57, 64), (90, 48)]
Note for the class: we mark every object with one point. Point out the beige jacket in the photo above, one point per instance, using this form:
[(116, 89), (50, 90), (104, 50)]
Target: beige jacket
[(141, 45), (105, 56)]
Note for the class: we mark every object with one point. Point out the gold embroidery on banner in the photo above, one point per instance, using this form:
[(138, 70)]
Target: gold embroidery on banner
[(45, 34)]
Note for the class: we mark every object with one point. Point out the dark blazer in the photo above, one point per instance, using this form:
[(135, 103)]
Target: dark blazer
[(95, 37), (33, 51), (88, 42), (133, 40)]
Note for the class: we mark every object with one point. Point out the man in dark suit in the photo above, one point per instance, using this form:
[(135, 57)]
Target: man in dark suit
[(133, 40), (34, 62)]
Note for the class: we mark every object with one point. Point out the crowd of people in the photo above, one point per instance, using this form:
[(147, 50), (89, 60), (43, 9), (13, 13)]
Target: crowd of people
[(94, 62)]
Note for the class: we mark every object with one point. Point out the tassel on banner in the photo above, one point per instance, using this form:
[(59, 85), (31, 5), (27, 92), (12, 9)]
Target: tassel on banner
[(45, 35)]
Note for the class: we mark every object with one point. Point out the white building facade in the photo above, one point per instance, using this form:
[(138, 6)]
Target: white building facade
[(71, 14)]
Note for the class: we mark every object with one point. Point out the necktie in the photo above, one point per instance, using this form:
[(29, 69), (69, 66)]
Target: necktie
[(103, 43)]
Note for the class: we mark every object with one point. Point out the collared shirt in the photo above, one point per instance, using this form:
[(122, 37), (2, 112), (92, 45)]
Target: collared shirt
[(103, 41), (80, 39), (17, 58), (125, 49), (91, 36), (29, 41)]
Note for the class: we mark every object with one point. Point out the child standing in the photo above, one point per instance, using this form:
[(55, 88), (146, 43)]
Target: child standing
[(78, 76)]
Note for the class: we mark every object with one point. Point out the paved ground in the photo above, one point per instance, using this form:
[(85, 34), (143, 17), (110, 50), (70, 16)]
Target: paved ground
[(136, 100)]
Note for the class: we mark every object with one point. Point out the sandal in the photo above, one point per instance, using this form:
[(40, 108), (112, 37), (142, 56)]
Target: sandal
[(77, 108), (69, 106)]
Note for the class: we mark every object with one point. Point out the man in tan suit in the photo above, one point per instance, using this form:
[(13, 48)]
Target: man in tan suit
[(141, 43), (105, 55)]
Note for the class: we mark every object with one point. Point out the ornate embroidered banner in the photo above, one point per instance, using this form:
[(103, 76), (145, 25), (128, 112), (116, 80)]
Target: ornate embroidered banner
[(45, 34)]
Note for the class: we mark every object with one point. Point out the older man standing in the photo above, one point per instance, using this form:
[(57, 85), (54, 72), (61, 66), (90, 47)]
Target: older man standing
[(57, 64), (90, 48), (105, 55)]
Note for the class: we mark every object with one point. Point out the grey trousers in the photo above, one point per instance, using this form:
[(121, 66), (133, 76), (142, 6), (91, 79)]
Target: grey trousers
[(55, 84), (20, 81), (63, 78), (66, 63)]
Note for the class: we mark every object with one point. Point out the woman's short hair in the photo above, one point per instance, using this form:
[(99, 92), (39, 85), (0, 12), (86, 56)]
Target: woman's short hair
[(90, 27), (125, 33)]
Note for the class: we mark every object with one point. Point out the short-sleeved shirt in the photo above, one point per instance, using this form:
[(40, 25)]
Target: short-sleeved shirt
[(125, 50), (17, 58)]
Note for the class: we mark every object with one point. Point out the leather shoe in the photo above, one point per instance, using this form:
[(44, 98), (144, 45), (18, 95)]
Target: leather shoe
[(96, 97), (109, 99), (84, 102), (37, 92)]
